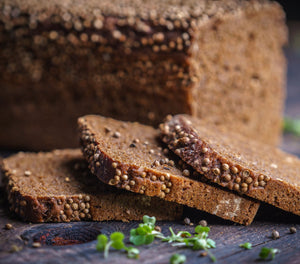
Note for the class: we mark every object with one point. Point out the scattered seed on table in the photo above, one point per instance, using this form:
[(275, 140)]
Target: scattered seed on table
[(203, 223), (275, 234), (187, 221), (293, 230)]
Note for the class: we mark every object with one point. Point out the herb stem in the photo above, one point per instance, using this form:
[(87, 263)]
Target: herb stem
[(211, 255), (106, 249)]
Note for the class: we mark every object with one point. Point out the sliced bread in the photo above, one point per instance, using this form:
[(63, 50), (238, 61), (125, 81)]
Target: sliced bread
[(130, 156), (57, 187), (235, 162)]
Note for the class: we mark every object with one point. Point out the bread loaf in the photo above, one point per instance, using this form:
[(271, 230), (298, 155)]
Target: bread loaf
[(138, 60)]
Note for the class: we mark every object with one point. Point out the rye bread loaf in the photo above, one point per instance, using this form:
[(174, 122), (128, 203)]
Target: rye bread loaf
[(129, 156), (218, 60), (235, 162), (58, 187)]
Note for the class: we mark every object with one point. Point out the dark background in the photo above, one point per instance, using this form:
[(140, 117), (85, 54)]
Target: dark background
[(291, 8)]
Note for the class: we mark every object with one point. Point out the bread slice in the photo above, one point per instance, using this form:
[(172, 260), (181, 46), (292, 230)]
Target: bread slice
[(58, 187), (129, 156), (237, 163)]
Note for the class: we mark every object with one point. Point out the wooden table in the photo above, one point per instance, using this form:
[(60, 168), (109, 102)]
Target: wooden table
[(80, 237)]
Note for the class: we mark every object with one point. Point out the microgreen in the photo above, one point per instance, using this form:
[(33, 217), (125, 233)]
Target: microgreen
[(133, 252), (199, 241), (116, 242), (266, 252), (292, 126), (176, 237), (246, 245), (145, 233), (177, 259)]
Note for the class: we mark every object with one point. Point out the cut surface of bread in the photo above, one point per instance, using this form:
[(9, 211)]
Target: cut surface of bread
[(57, 187), (130, 156), (235, 162)]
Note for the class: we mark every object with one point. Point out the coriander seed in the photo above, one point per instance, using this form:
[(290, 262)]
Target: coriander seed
[(187, 221), (293, 230), (157, 228), (203, 223), (8, 226), (275, 234)]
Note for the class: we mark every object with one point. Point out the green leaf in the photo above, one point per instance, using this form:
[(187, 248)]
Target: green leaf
[(211, 243), (133, 232), (177, 259), (117, 240), (102, 242), (266, 252), (202, 229), (149, 220), (145, 233), (118, 244), (137, 240), (199, 244), (133, 253), (149, 239), (144, 229), (117, 236), (246, 245)]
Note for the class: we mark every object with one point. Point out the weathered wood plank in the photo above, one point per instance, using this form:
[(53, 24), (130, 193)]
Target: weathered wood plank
[(227, 236)]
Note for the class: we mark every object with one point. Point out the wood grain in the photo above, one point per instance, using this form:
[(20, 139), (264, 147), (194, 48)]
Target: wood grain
[(79, 238)]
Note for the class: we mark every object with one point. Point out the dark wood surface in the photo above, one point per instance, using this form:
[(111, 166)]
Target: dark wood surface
[(75, 242)]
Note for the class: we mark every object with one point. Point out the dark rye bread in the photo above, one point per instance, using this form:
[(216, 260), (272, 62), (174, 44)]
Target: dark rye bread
[(218, 60), (235, 162), (129, 156), (57, 187)]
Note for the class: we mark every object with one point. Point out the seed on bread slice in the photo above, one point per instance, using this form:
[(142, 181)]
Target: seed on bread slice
[(251, 168), (58, 187), (130, 156)]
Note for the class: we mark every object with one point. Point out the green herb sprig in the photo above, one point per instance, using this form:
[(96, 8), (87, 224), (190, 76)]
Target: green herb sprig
[(266, 252), (176, 237), (199, 241), (145, 233), (116, 242), (246, 245)]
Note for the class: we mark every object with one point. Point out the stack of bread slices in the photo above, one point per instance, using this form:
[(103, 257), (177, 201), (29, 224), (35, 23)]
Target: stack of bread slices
[(126, 170)]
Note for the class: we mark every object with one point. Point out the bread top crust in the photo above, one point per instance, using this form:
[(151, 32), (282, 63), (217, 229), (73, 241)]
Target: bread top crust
[(145, 9), (163, 25), (252, 168)]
